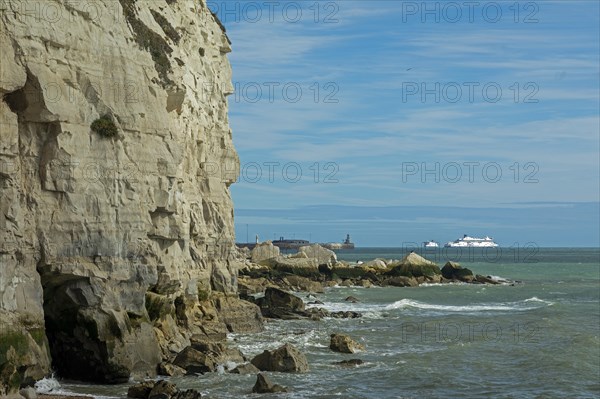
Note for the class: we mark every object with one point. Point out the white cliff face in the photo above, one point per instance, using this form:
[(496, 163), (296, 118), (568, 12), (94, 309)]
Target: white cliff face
[(93, 223)]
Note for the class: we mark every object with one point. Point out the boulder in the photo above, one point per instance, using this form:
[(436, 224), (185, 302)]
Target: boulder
[(284, 359), (413, 265), (194, 361), (246, 368), (344, 344), (162, 390), (28, 393), (218, 351), (306, 267), (280, 304), (323, 255), (141, 390), (349, 272), (239, 316), (264, 385), (351, 299), (170, 370), (454, 271), (264, 251)]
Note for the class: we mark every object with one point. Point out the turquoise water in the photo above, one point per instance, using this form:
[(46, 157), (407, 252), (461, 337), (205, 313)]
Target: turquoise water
[(537, 339)]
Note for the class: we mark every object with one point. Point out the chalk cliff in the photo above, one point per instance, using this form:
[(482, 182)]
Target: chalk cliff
[(116, 157)]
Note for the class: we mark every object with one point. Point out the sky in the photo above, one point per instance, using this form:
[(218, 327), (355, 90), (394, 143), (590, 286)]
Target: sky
[(400, 121)]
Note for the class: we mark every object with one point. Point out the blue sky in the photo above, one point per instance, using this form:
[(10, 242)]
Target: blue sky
[(405, 121)]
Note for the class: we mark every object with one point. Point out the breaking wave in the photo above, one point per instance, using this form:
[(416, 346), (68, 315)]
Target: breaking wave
[(526, 304)]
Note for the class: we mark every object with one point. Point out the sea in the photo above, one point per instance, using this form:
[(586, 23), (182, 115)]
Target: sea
[(536, 337)]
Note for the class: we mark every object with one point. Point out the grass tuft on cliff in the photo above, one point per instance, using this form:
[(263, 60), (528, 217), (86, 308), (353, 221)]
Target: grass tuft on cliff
[(105, 127), (203, 293)]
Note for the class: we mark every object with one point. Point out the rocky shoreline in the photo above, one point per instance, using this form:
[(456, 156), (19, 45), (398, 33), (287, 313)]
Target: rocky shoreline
[(313, 268), (268, 280), (116, 224), (267, 284)]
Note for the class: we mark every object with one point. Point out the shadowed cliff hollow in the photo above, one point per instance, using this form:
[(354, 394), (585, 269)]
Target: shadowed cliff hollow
[(116, 221)]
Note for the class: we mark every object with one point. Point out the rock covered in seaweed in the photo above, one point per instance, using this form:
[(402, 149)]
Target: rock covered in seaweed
[(265, 385)]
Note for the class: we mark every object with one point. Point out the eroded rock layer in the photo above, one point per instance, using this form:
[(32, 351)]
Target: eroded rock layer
[(113, 239)]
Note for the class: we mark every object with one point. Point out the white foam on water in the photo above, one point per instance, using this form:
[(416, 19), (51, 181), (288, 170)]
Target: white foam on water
[(47, 385), (51, 386), (442, 284), (502, 306), (500, 280)]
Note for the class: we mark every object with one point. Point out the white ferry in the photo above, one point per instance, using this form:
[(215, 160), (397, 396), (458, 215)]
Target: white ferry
[(430, 244), (467, 241)]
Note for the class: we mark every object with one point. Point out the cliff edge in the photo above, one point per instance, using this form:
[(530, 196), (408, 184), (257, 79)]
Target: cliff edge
[(116, 157)]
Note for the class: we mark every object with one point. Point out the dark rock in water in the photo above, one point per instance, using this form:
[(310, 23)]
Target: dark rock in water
[(402, 281), (350, 362), (315, 303), (344, 344), (281, 299), (163, 389), (141, 390), (345, 315), (265, 385), (284, 359), (279, 304), (160, 390), (351, 299), (246, 368), (187, 394), (203, 356), (317, 313), (454, 271), (194, 361)]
